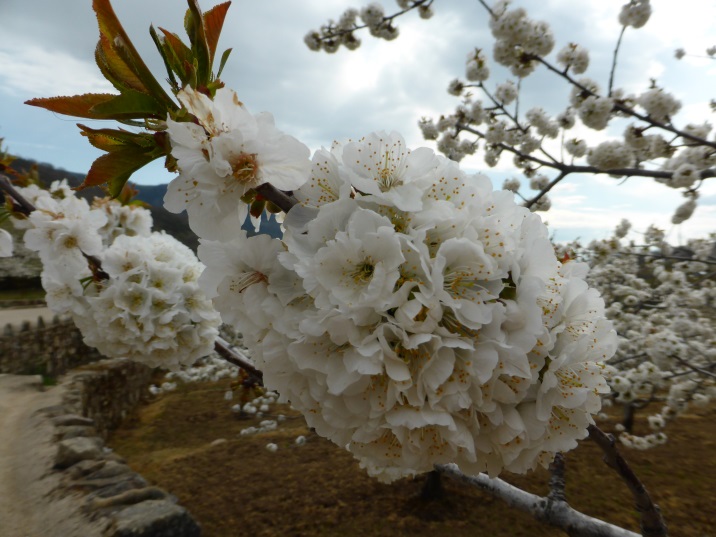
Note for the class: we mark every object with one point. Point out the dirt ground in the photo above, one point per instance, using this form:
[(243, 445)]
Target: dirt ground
[(29, 506), (237, 487), (16, 316)]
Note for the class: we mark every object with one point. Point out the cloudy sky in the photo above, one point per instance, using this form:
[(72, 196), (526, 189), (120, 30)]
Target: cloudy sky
[(46, 49)]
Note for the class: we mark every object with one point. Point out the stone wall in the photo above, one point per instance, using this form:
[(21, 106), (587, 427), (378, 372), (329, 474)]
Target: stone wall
[(46, 349), (107, 391), (97, 397)]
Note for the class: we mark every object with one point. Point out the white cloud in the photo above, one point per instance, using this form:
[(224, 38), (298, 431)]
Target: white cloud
[(33, 71)]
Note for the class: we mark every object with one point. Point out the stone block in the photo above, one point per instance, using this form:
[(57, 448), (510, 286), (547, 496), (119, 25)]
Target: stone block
[(74, 450), (154, 518)]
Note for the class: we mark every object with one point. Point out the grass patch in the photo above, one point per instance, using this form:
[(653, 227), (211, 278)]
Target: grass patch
[(238, 488), (21, 294)]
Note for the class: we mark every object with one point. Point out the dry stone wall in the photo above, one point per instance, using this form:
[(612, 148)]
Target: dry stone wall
[(97, 397)]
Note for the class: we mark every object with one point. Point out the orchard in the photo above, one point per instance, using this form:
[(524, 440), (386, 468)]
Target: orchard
[(415, 315)]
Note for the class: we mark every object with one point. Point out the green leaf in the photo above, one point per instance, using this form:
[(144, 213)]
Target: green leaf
[(115, 69), (194, 24), (77, 105), (130, 104), (114, 139), (224, 57), (165, 56), (179, 55)]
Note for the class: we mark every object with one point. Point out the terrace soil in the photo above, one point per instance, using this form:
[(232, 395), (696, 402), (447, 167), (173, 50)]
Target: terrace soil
[(237, 487)]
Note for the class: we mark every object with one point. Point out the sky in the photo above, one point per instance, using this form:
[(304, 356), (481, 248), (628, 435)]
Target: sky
[(47, 49)]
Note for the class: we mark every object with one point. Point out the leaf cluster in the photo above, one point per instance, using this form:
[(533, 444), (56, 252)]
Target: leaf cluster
[(142, 101)]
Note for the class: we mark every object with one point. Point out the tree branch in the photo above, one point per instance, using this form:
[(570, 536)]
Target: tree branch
[(557, 480), (554, 182), (23, 206), (224, 349), (625, 109), (652, 523), (330, 34), (555, 513), (278, 197)]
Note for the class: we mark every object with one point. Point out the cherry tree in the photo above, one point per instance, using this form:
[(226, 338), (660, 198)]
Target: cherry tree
[(662, 358), (414, 315)]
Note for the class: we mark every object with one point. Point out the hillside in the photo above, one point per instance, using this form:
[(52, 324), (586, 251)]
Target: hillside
[(176, 225)]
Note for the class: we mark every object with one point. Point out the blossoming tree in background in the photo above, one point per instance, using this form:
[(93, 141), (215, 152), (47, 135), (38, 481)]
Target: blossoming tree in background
[(414, 316)]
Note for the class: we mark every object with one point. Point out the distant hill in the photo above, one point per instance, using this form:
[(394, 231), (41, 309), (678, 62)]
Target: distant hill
[(175, 224)]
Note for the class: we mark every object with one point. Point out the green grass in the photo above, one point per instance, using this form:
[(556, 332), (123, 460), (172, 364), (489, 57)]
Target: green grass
[(21, 294)]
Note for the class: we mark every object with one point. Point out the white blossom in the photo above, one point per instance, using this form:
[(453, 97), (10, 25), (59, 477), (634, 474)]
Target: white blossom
[(220, 159)]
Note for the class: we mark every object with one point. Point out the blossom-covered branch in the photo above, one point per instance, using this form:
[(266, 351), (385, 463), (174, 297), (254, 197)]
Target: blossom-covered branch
[(334, 34)]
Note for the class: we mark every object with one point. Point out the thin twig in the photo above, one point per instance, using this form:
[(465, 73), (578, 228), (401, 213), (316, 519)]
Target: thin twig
[(614, 60), (554, 182), (694, 368)]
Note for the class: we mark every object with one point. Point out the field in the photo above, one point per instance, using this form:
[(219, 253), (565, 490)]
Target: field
[(237, 487)]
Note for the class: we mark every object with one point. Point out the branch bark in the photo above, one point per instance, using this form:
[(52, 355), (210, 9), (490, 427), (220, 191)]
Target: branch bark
[(652, 523), (553, 512), (224, 349), (23, 206)]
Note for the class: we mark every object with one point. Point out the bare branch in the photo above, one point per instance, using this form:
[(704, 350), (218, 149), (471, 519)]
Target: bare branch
[(555, 513), (694, 368), (554, 182), (652, 523)]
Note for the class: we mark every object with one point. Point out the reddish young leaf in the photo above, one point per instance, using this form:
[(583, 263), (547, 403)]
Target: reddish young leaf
[(114, 68), (118, 49), (116, 168), (77, 105), (131, 105), (213, 23)]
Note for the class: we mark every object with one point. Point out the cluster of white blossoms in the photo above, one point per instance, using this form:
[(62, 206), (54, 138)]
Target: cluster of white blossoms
[(228, 152), (151, 310), (132, 293), (517, 38), (416, 316), (342, 32)]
